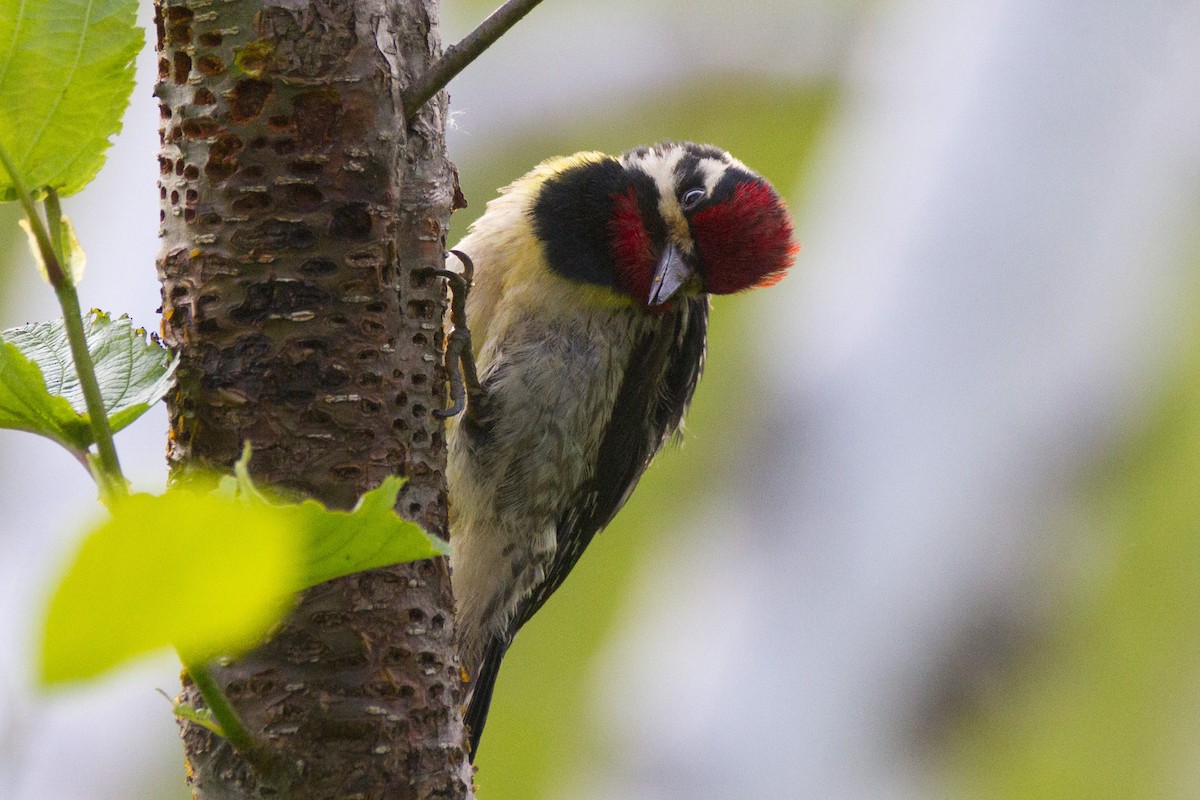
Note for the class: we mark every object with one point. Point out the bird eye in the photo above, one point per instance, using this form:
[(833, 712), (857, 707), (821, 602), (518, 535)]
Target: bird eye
[(691, 198)]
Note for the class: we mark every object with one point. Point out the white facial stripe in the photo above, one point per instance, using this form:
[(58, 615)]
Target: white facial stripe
[(712, 170), (661, 167)]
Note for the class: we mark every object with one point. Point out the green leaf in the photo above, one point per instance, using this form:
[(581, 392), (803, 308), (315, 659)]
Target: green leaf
[(206, 573), (133, 373), (66, 73), (210, 573), (26, 405), (344, 542)]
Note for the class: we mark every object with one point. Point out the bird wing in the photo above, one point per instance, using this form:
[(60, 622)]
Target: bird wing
[(655, 393), (658, 385)]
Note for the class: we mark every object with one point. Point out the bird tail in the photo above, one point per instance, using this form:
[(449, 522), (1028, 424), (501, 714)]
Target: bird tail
[(481, 691)]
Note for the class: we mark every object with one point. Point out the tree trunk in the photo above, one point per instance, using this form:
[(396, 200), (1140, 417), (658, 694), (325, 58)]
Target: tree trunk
[(296, 206)]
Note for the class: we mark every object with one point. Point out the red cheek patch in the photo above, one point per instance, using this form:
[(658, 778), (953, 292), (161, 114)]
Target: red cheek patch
[(632, 248), (745, 241)]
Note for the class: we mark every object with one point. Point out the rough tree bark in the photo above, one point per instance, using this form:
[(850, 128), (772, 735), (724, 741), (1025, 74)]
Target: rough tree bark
[(296, 207)]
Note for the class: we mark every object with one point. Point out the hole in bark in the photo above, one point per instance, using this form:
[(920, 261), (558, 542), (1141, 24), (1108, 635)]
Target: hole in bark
[(252, 201), (407, 691), (365, 259), (210, 38), (178, 291), (351, 221), (418, 380), (303, 196), (183, 66), (174, 198), (163, 111), (420, 340), (179, 14), (258, 143), (218, 172), (414, 509), (164, 165), (420, 309), (162, 216), (179, 165), (437, 622), (346, 472), (369, 406), (274, 234), (207, 326), (191, 196), (399, 425), (207, 299), (164, 66), (315, 114), (319, 266), (191, 172), (211, 218), (247, 98), (189, 215), (180, 35), (223, 157), (176, 133), (204, 97), (210, 65), (278, 298), (367, 355), (419, 437), (377, 307), (306, 167), (338, 319), (402, 399), (162, 192), (254, 172), (279, 122), (284, 147), (200, 127), (371, 328), (225, 147)]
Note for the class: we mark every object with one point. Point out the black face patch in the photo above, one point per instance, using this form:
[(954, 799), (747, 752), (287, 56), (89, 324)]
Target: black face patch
[(571, 218)]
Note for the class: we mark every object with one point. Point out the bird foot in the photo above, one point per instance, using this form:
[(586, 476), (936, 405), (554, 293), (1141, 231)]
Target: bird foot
[(460, 361)]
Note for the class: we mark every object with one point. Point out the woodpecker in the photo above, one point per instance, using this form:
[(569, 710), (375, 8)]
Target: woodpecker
[(592, 276)]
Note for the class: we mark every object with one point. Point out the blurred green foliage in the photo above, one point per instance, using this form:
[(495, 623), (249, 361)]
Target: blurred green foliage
[(1107, 707), (539, 730)]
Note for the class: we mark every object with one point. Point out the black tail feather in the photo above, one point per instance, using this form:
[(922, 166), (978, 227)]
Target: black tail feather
[(481, 691)]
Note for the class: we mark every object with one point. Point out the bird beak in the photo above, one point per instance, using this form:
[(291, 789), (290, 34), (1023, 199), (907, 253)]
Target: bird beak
[(671, 273)]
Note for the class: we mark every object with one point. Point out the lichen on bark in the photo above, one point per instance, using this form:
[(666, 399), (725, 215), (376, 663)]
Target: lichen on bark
[(297, 210)]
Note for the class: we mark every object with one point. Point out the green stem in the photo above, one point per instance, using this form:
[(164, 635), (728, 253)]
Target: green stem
[(49, 237), (110, 465), (54, 272), (225, 715), (68, 298)]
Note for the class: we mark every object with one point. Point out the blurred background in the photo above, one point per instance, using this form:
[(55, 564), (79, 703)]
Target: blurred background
[(935, 528)]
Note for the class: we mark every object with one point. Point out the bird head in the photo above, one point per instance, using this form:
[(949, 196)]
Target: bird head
[(659, 222)]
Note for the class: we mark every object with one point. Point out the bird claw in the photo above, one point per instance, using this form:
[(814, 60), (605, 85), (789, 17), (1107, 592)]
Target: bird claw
[(460, 361)]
